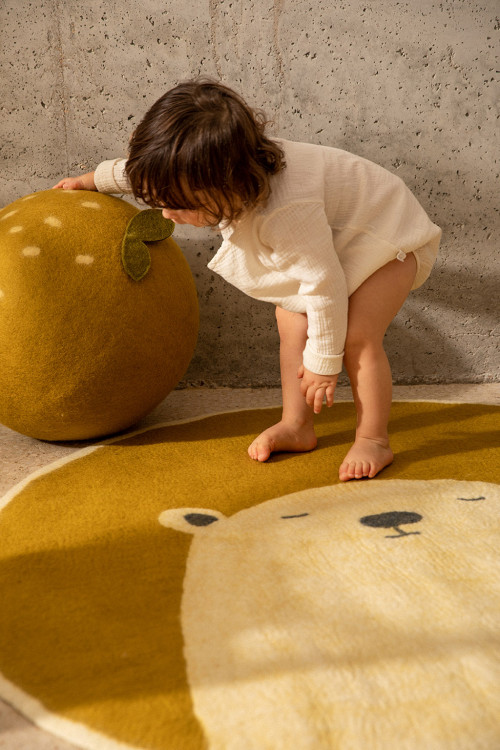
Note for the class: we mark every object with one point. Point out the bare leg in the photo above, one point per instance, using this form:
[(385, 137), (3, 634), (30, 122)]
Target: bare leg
[(295, 431), (371, 308)]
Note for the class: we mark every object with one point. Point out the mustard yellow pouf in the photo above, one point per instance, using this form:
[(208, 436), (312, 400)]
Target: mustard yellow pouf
[(98, 314)]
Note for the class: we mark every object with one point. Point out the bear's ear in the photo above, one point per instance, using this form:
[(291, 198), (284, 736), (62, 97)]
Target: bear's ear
[(190, 520)]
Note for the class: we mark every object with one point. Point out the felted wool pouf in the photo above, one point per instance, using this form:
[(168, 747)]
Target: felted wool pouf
[(98, 314)]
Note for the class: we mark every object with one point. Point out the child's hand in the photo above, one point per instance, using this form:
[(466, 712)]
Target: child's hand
[(84, 182), (314, 388)]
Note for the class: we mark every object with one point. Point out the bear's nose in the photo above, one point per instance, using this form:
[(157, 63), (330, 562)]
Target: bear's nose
[(392, 520)]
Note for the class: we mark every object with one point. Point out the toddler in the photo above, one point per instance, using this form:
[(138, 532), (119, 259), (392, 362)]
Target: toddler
[(334, 241)]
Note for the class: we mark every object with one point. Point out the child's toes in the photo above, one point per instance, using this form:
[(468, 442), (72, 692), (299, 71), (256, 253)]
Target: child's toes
[(259, 451), (362, 469), (365, 459), (253, 452), (355, 470), (263, 453), (367, 469), (347, 471), (343, 471)]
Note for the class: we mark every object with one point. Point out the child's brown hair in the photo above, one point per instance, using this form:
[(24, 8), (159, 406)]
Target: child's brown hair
[(201, 147)]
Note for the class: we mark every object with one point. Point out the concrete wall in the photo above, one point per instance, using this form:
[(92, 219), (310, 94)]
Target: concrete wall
[(410, 85)]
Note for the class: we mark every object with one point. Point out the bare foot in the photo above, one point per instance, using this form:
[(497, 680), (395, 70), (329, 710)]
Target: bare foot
[(365, 458), (282, 437)]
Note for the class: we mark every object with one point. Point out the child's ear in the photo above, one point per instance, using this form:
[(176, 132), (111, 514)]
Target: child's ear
[(190, 520)]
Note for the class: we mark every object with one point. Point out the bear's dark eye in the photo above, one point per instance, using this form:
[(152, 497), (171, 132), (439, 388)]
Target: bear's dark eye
[(299, 515), (200, 519)]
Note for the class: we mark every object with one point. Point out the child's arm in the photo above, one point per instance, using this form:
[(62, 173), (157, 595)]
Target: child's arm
[(84, 182), (301, 249), (109, 177)]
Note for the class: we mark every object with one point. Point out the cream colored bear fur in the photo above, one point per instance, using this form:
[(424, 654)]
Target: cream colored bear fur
[(363, 616)]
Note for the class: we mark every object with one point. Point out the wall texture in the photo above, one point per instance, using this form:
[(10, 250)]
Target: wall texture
[(410, 85)]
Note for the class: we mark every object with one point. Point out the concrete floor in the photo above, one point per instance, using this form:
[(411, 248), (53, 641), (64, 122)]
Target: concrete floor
[(20, 455)]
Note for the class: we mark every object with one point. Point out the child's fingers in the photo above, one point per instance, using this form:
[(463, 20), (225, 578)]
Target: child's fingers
[(308, 393), (314, 397), (68, 183), (304, 387), (319, 397), (329, 395), (316, 393), (62, 184)]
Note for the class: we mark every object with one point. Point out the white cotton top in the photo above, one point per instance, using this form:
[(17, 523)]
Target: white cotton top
[(331, 221)]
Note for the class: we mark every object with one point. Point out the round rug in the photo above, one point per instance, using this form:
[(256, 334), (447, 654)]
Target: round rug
[(97, 638)]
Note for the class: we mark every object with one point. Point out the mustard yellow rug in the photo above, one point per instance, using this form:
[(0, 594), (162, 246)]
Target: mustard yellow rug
[(163, 591)]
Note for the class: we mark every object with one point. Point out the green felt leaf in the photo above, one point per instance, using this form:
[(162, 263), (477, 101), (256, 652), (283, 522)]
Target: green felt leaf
[(146, 226), (135, 258), (149, 226)]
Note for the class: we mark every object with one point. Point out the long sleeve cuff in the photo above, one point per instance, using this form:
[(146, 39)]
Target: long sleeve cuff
[(322, 364), (110, 177)]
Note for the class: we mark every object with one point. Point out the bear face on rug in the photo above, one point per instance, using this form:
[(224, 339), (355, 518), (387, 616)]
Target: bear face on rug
[(349, 616), (96, 326)]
